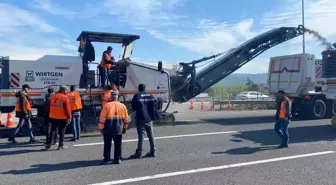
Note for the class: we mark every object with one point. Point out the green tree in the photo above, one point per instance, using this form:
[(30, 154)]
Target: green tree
[(219, 91), (249, 83)]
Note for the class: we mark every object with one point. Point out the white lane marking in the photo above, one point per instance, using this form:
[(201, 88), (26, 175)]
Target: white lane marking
[(164, 137), (157, 176)]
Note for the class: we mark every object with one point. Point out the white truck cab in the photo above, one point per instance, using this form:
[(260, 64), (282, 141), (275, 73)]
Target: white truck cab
[(301, 77)]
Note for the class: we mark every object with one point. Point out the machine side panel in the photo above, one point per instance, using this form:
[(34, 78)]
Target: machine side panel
[(156, 82), (47, 71)]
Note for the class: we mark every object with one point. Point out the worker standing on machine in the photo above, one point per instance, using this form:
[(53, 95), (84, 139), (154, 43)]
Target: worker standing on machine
[(106, 64), (76, 107), (283, 116), (23, 109), (60, 115), (113, 122), (47, 99)]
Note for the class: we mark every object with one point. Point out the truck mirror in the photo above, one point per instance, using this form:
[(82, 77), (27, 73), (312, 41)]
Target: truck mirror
[(160, 66)]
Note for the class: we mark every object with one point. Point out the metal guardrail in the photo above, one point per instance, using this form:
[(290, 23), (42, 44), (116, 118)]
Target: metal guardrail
[(240, 102)]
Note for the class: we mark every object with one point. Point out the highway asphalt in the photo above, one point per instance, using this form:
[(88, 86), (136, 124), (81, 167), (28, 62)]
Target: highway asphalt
[(212, 148)]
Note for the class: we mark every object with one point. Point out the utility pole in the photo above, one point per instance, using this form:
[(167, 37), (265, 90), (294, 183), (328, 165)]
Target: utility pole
[(303, 36)]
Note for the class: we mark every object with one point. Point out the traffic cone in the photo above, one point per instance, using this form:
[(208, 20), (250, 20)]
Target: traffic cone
[(192, 104), (212, 105), (10, 123), (202, 106)]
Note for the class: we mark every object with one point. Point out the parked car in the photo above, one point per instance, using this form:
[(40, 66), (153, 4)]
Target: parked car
[(251, 95)]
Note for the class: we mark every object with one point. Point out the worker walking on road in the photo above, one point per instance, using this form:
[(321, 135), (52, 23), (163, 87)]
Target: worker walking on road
[(106, 63), (113, 122), (60, 115), (47, 123), (76, 107), (23, 109), (144, 105), (283, 116)]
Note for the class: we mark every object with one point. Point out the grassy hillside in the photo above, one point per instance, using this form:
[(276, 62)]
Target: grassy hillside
[(235, 79)]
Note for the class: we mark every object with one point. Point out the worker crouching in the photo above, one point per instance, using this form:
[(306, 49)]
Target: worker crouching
[(113, 122), (60, 115)]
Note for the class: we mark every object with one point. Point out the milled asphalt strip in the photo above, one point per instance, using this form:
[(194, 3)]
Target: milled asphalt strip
[(165, 137), (163, 175)]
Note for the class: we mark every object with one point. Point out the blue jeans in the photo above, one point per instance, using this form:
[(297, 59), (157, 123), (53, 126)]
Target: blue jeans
[(281, 128), (76, 127), (18, 127), (147, 128)]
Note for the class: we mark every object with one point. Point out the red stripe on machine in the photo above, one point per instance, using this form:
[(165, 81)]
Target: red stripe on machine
[(15, 84), (16, 76), (14, 80), (318, 71)]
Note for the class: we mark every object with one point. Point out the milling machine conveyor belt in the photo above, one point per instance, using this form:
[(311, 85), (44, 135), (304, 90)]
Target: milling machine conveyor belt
[(236, 58)]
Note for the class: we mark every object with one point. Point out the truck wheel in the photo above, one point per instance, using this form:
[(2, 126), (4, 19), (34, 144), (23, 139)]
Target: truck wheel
[(293, 110), (7, 109), (319, 109), (333, 108)]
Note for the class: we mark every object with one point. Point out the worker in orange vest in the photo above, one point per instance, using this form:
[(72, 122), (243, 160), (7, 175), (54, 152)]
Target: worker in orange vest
[(23, 109), (60, 115), (47, 123), (76, 107), (106, 64), (283, 116), (113, 122), (107, 93)]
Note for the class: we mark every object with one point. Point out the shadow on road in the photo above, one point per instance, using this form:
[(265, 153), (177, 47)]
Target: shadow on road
[(231, 121), (54, 167), (296, 134), (245, 150), (19, 145), (241, 121), (17, 152), (269, 137)]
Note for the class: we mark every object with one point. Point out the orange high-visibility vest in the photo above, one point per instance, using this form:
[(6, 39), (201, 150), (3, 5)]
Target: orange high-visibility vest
[(113, 118), (283, 109), (26, 104), (102, 63), (57, 110), (75, 100)]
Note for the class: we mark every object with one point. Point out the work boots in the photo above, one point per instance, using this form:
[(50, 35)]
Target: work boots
[(137, 155), (150, 154)]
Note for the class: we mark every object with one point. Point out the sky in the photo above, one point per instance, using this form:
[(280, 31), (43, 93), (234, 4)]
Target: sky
[(172, 31)]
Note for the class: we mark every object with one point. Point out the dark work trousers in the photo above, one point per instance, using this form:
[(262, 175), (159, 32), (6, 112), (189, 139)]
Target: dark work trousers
[(107, 146), (61, 125), (141, 129), (48, 130), (104, 72), (281, 128)]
